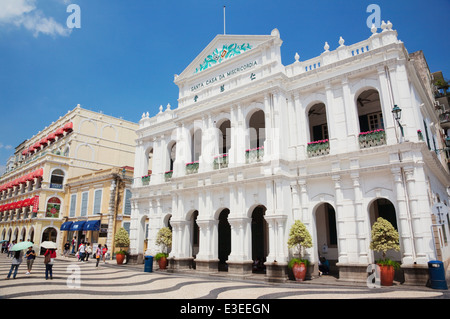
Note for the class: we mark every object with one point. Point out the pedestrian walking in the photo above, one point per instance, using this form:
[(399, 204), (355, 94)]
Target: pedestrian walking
[(74, 243), (10, 246), (88, 251), (4, 245), (31, 256), (104, 252), (66, 249), (98, 254), (15, 263), (82, 251), (49, 257)]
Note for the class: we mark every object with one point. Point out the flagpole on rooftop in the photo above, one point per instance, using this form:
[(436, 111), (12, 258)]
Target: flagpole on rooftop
[(224, 20)]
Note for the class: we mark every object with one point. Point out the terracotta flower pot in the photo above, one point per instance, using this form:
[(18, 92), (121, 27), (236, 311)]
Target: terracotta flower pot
[(120, 258), (299, 271), (386, 275), (162, 263)]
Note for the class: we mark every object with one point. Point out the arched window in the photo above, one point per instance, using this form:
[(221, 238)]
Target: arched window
[(371, 123), (57, 179), (257, 133), (318, 131)]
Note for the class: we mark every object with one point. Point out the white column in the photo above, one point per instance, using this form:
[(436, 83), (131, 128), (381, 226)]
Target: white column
[(340, 221), (302, 127), (268, 144), (386, 106), (405, 232), (351, 118), (362, 225), (333, 134), (421, 222)]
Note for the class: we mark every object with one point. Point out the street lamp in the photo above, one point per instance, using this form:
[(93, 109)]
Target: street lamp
[(397, 112), (398, 115)]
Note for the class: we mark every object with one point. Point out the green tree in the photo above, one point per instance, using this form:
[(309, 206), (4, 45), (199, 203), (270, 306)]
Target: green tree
[(299, 237), (164, 238), (384, 237), (121, 239)]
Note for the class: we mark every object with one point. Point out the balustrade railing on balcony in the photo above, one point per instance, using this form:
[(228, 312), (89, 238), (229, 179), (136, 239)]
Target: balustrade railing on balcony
[(372, 138), (220, 161), (192, 168), (168, 175), (146, 180), (318, 148), (254, 155)]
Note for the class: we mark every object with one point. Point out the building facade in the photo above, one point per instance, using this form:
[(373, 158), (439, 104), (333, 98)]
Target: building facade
[(98, 204), (255, 145), (33, 189)]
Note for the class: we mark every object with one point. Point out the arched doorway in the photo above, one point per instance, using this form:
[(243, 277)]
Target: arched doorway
[(326, 235), (224, 241), (260, 239), (49, 234), (195, 238), (382, 207)]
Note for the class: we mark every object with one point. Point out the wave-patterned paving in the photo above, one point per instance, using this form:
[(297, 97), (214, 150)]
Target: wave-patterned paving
[(110, 281)]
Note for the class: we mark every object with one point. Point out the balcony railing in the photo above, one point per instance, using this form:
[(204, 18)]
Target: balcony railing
[(254, 155), (318, 148), (372, 138), (146, 180), (168, 175), (192, 168), (220, 161)]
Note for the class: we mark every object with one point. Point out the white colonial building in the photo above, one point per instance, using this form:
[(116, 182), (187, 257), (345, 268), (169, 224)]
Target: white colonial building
[(255, 145)]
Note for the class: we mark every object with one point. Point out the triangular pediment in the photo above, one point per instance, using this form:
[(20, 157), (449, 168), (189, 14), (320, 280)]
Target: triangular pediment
[(221, 49)]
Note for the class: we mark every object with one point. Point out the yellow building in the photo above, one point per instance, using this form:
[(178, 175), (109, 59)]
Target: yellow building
[(96, 206), (33, 188)]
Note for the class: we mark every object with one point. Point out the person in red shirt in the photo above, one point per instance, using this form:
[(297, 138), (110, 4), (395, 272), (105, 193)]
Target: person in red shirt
[(49, 256)]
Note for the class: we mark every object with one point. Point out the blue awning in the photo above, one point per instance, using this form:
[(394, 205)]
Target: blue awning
[(66, 226), (92, 225), (76, 226)]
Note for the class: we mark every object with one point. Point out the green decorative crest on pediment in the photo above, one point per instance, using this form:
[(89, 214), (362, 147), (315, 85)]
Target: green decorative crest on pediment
[(219, 55)]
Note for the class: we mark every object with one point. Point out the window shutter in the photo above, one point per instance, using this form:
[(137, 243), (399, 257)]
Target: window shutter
[(84, 203), (127, 208), (97, 201), (73, 204)]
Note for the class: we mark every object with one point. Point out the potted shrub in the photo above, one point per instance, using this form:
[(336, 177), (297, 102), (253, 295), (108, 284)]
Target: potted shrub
[(384, 238), (163, 239), (121, 240), (299, 238)]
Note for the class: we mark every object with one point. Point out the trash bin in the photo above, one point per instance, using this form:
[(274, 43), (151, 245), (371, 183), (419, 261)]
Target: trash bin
[(148, 264), (437, 274)]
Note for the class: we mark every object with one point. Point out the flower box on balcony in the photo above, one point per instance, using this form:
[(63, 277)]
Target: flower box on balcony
[(420, 135), (372, 138), (318, 148), (146, 180), (254, 155), (168, 175), (192, 168), (220, 161)]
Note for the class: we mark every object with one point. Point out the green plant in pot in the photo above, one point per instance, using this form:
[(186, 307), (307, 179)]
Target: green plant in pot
[(299, 238), (384, 238), (121, 240), (163, 239)]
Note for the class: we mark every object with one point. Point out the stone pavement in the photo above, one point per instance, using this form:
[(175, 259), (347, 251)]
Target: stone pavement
[(76, 280)]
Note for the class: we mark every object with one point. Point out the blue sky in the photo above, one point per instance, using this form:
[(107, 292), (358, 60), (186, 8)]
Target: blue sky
[(123, 58)]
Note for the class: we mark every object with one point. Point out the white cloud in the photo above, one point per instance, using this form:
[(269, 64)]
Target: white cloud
[(25, 13), (6, 147)]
